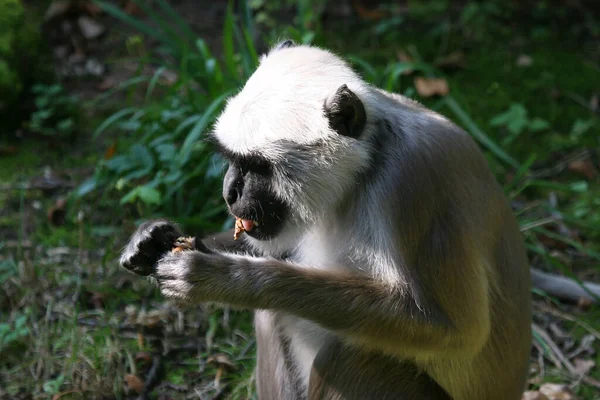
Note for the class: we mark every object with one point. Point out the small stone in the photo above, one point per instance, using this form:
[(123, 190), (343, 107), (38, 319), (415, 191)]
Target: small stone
[(90, 29)]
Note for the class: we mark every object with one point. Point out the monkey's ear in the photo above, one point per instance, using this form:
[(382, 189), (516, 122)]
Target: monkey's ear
[(345, 112), (284, 44)]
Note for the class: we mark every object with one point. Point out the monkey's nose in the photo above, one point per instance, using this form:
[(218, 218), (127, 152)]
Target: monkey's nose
[(231, 196)]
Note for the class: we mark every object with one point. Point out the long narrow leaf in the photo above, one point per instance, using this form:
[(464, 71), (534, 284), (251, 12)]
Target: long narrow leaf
[(112, 119), (137, 24), (228, 42), (180, 22), (199, 128), (478, 133), (153, 82)]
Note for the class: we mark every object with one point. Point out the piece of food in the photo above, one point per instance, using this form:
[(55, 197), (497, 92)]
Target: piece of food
[(183, 243), (239, 228), (243, 225)]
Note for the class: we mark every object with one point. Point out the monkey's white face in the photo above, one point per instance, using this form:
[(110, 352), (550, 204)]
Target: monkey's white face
[(283, 117)]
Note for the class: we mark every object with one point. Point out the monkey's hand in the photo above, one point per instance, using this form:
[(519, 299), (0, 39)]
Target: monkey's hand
[(191, 276), (148, 244)]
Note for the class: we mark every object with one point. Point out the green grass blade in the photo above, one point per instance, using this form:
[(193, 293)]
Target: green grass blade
[(228, 43), (135, 23), (199, 128), (576, 245), (112, 119), (153, 82), (478, 133), (174, 15)]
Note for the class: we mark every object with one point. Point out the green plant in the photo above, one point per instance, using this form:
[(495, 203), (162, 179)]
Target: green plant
[(516, 120), (306, 25), (55, 111), (21, 56), (166, 167), (12, 332)]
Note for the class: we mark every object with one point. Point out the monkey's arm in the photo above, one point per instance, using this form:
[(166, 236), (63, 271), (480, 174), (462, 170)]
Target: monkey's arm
[(359, 308)]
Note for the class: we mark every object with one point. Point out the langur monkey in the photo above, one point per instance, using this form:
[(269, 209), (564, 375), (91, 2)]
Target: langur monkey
[(380, 254)]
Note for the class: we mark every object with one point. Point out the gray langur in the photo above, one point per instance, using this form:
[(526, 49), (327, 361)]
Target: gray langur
[(381, 256)]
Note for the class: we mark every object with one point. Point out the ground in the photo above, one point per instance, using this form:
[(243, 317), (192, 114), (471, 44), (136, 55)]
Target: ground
[(74, 324)]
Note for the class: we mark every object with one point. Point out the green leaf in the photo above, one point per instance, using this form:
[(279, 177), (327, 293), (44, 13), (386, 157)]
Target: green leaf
[(149, 195), (87, 186), (199, 128), (478, 134), (538, 124), (228, 42), (112, 119)]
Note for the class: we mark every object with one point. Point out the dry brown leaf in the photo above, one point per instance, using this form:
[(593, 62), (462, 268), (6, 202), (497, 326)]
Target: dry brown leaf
[(584, 167), (132, 9), (108, 83), (135, 383), (57, 9), (365, 13), (533, 395), (455, 59), (221, 360), (152, 318), (582, 366), (428, 87), (92, 9), (556, 391), (404, 57)]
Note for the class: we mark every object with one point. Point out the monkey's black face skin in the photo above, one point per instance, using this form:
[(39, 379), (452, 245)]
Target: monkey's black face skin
[(247, 192)]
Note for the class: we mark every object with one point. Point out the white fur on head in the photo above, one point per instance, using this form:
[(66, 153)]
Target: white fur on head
[(284, 99), (282, 106)]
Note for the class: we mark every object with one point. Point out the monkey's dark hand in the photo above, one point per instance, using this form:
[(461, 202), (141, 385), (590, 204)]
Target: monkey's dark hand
[(148, 244), (192, 276)]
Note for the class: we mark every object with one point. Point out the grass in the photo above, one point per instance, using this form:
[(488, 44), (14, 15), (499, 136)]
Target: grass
[(74, 324)]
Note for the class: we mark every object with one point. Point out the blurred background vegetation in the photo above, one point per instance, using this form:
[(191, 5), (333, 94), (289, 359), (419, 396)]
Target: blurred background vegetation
[(103, 108)]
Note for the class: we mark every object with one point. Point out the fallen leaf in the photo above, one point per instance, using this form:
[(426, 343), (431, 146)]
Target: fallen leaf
[(524, 60), (404, 57), (223, 363), (144, 357), (582, 366), (428, 87), (533, 395), (92, 9), (135, 383), (365, 13), (7, 149), (107, 83), (57, 9), (131, 8), (455, 59), (110, 152), (221, 360), (584, 303), (584, 167), (556, 391), (90, 29)]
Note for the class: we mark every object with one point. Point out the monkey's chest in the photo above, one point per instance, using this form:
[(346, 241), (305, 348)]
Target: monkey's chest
[(304, 339)]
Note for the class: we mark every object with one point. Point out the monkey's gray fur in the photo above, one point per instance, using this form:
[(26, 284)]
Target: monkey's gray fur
[(383, 259)]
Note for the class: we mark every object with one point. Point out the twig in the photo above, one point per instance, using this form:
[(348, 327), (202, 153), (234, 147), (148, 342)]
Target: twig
[(568, 317), (153, 376), (555, 349)]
